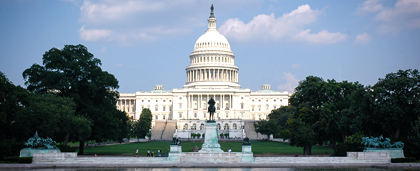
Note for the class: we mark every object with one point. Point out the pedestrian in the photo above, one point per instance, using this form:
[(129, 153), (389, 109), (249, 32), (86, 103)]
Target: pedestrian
[(153, 153), (159, 153), (229, 150), (137, 152), (167, 150), (148, 153)]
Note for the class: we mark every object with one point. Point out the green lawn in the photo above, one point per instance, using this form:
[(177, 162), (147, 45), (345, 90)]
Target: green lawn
[(257, 148)]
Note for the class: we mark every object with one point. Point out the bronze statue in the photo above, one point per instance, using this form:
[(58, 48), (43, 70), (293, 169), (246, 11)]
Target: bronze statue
[(211, 108), (212, 8), (246, 141)]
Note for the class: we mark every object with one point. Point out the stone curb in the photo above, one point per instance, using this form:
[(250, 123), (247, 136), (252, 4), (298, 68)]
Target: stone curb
[(236, 165)]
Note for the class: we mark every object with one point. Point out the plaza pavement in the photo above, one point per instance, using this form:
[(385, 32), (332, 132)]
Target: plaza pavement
[(414, 166)]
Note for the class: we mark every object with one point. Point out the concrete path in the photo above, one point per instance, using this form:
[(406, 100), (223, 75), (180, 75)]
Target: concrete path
[(415, 166)]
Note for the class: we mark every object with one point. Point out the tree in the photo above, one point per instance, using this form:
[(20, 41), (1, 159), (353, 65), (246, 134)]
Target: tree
[(144, 124), (74, 72), (282, 114), (303, 133), (413, 139), (268, 127), (397, 102)]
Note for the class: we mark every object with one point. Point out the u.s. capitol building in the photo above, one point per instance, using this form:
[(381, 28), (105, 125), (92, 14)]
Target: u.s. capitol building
[(212, 73)]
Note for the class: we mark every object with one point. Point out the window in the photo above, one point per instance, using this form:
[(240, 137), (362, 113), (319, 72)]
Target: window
[(274, 107), (259, 107), (218, 106), (226, 98), (156, 117), (164, 100), (180, 105), (226, 127), (259, 100), (204, 114), (252, 107), (131, 117), (281, 100), (180, 115), (164, 117), (242, 105), (201, 126), (252, 100), (148, 100), (194, 127), (234, 126), (180, 98), (195, 116), (142, 100), (227, 115), (274, 100), (156, 101), (164, 108), (266, 100), (218, 126), (170, 100), (266, 107), (156, 108), (218, 115), (242, 98), (227, 106), (170, 108), (185, 126)]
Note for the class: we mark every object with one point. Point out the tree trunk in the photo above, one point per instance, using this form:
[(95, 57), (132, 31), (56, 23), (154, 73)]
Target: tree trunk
[(66, 139), (81, 145), (304, 150), (310, 150)]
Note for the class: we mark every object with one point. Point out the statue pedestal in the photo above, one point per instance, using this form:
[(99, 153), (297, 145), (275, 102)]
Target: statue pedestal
[(247, 155), (211, 140), (29, 152), (175, 153), (393, 152)]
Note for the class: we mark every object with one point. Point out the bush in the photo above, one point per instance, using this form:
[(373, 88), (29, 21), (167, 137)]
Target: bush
[(404, 160), (66, 148), (17, 159), (11, 148)]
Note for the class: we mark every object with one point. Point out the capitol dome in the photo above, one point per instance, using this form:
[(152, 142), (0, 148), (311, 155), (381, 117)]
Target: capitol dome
[(212, 63), (212, 39)]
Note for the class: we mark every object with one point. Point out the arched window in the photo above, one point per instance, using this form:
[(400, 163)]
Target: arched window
[(194, 127), (234, 126), (185, 126), (226, 127), (201, 126)]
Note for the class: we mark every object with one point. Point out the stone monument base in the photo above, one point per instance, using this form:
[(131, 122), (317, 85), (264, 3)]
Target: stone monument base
[(393, 153), (29, 152), (175, 153), (211, 141)]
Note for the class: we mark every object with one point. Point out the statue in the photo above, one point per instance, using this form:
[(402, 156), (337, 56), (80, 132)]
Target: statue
[(40, 143), (175, 141), (246, 141), (375, 142), (211, 8), (37, 144), (211, 108)]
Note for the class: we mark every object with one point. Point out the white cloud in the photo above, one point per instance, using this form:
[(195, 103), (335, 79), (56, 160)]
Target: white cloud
[(93, 34), (362, 39), (322, 37), (288, 26), (404, 14), (134, 21), (296, 66), (291, 83)]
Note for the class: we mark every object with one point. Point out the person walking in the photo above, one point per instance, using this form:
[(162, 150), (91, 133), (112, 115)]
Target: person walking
[(153, 153), (148, 153), (159, 153), (137, 152)]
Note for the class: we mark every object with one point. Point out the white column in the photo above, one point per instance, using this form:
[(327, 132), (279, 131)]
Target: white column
[(221, 101)]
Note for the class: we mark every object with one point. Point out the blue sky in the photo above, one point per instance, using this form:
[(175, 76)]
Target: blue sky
[(277, 42)]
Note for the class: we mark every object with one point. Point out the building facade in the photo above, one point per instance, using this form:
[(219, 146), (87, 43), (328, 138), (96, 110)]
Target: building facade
[(212, 73)]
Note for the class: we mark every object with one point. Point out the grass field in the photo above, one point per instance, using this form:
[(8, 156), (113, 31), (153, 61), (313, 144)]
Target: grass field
[(258, 147)]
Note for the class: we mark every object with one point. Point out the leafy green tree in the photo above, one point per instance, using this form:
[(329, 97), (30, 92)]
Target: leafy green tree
[(268, 127), (11, 98), (282, 114), (397, 102), (142, 126), (413, 139), (74, 72)]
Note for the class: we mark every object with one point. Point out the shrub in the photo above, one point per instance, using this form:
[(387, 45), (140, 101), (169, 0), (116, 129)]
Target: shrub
[(66, 148), (17, 159), (404, 160)]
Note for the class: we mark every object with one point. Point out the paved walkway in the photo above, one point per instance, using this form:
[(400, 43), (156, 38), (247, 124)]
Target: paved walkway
[(235, 165)]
